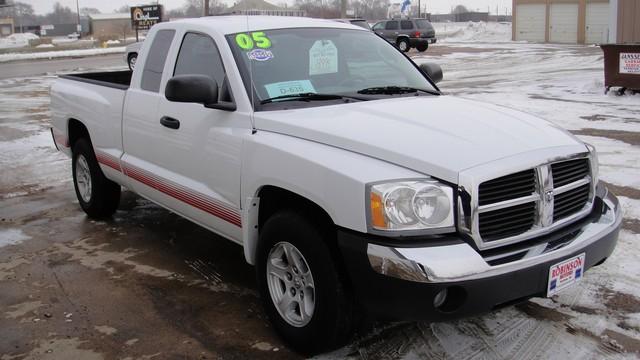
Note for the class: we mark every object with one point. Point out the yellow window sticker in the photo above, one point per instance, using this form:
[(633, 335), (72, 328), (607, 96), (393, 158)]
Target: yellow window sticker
[(323, 58), (249, 41)]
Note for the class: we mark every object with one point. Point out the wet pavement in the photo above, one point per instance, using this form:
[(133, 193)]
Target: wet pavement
[(149, 284)]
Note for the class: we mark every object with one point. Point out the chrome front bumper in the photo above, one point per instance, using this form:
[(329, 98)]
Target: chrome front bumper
[(461, 262)]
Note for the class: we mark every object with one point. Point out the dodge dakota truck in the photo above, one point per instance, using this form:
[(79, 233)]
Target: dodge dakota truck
[(356, 188)]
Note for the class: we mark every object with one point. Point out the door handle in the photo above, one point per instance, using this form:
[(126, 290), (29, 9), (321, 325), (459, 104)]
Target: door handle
[(170, 122)]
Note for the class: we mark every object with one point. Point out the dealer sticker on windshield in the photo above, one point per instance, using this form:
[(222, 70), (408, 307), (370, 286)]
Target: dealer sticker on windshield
[(565, 274)]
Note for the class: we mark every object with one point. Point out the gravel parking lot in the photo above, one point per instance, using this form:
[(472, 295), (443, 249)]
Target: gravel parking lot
[(149, 284)]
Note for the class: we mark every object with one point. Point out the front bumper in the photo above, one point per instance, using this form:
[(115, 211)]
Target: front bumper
[(400, 283)]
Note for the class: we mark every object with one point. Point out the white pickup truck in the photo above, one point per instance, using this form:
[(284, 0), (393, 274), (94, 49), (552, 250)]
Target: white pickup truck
[(356, 188)]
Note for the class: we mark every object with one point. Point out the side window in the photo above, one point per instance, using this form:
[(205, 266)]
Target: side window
[(199, 55), (153, 66), (379, 26), (391, 25), (406, 25)]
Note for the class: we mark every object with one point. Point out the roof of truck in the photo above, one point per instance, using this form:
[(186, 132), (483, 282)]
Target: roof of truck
[(241, 23)]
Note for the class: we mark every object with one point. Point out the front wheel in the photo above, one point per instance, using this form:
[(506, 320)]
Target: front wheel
[(98, 196), (403, 45), (303, 295)]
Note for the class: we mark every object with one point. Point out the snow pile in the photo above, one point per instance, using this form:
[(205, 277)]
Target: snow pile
[(17, 40), (113, 42), (473, 32), (60, 54)]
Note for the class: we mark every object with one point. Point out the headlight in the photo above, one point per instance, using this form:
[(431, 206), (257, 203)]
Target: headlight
[(410, 205), (593, 160)]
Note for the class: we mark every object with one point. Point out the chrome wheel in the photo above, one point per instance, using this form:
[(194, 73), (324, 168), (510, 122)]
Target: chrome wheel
[(402, 45), (290, 284), (132, 62), (83, 178)]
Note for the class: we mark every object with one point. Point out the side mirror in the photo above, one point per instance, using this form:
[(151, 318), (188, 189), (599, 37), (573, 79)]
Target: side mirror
[(198, 89), (433, 71)]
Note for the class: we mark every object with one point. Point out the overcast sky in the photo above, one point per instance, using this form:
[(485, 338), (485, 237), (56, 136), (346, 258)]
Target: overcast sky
[(106, 6)]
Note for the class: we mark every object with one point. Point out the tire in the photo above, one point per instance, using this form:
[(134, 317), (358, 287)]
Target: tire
[(403, 45), (329, 321), (422, 47), (131, 60), (98, 196)]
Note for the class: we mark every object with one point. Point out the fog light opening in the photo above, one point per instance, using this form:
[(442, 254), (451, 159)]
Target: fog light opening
[(450, 299), (440, 298)]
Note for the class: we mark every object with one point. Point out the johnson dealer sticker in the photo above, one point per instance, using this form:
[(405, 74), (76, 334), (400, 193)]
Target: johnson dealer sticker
[(565, 274)]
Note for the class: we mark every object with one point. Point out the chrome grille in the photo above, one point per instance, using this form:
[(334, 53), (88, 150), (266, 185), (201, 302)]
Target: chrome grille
[(570, 171), (527, 203), (507, 187), (570, 202), (507, 222)]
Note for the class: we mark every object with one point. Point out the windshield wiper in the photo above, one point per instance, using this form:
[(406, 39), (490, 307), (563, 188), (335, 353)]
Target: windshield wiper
[(310, 97), (393, 90)]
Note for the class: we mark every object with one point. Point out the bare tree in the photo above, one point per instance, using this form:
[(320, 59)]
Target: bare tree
[(460, 9)]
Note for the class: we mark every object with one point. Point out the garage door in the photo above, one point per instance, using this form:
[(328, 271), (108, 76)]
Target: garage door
[(531, 22), (597, 24), (563, 27)]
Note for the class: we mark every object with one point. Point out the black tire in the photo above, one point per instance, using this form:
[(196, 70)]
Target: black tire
[(332, 323), (422, 47), (403, 45), (131, 60), (104, 194)]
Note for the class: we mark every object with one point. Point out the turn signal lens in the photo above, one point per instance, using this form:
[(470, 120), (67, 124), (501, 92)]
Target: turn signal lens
[(377, 212)]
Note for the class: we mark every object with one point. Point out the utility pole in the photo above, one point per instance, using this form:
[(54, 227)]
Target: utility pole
[(205, 8), (343, 9), (78, 27)]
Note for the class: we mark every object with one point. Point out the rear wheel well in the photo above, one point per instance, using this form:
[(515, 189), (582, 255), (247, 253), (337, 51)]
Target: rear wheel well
[(77, 131)]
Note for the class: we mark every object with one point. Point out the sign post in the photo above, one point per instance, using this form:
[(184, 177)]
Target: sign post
[(145, 16)]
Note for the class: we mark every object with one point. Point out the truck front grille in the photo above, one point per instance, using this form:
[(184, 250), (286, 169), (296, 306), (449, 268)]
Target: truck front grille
[(570, 202), (507, 187), (570, 171), (529, 203), (507, 222)]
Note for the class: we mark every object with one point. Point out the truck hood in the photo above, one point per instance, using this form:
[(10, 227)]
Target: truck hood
[(434, 135)]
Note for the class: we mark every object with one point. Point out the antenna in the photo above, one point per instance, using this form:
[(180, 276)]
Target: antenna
[(251, 116)]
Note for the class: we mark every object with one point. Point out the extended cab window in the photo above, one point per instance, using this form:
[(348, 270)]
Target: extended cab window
[(199, 55), (154, 65), (406, 25), (391, 25)]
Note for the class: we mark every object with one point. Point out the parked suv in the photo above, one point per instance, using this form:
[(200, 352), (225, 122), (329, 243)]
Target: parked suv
[(407, 33)]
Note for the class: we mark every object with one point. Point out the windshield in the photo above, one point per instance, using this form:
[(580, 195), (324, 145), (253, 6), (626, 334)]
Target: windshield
[(321, 61)]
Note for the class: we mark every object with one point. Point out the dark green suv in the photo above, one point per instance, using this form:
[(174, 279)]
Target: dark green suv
[(407, 33)]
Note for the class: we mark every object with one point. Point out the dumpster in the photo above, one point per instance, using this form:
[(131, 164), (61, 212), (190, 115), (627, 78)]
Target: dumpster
[(621, 67)]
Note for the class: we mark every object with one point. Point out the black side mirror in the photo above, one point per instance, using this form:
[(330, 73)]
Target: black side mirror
[(199, 89), (433, 71)]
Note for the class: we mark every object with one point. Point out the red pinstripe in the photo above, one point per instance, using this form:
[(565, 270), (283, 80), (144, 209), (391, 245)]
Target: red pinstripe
[(177, 191)]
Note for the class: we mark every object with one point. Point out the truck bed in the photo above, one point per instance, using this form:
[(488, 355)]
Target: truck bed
[(113, 79)]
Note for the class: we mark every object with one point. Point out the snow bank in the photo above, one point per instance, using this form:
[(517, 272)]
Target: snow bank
[(473, 32), (17, 40), (60, 54)]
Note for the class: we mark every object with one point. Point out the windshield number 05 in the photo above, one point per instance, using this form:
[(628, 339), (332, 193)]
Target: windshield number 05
[(258, 39)]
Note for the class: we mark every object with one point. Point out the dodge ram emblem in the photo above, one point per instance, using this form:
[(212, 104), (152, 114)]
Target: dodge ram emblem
[(548, 196)]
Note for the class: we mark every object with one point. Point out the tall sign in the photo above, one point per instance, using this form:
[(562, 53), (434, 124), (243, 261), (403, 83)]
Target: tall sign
[(145, 16)]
